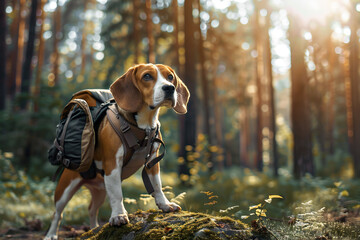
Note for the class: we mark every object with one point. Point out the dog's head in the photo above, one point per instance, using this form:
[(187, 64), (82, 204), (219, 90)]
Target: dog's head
[(151, 85)]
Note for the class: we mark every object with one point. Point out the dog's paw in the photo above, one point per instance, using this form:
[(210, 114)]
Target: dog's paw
[(169, 207), (119, 220)]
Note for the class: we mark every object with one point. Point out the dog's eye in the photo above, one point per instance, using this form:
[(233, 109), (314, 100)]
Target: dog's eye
[(147, 77), (170, 77)]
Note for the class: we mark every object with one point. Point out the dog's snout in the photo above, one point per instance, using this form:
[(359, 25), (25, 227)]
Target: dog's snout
[(168, 89)]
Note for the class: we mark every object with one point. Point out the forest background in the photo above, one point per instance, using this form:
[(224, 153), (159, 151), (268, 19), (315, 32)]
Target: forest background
[(274, 107)]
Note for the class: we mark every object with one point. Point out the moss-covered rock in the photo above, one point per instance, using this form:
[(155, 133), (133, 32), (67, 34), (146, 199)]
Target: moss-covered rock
[(179, 225)]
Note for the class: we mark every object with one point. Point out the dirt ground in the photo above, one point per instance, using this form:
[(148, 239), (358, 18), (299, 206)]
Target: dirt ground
[(65, 232)]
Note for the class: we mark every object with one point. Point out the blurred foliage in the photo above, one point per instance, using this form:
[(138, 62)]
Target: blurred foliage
[(29, 134), (22, 197), (228, 31)]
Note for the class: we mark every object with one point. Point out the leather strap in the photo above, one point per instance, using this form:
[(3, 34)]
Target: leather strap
[(62, 136), (58, 172), (60, 156), (150, 164), (60, 146), (115, 123), (131, 139), (136, 135)]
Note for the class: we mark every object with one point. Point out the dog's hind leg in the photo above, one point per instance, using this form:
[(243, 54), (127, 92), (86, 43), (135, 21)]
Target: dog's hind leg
[(67, 186), (97, 199)]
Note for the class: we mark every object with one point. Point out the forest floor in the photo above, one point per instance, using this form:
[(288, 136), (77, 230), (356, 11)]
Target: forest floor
[(147, 225), (313, 208), (25, 233), (154, 224)]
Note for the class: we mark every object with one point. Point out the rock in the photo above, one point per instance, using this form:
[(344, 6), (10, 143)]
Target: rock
[(129, 236), (178, 225)]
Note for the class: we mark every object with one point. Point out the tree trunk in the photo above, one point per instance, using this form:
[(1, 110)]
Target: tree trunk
[(179, 68), (190, 78), (355, 84), (176, 35), (272, 106), (149, 32), (2, 55), (57, 36), (258, 76), (136, 36), (205, 87), (318, 92), (244, 136), (349, 120), (331, 104), (217, 133), (27, 66), (302, 152), (218, 114), (20, 46), (40, 57), (14, 32), (83, 45), (244, 123)]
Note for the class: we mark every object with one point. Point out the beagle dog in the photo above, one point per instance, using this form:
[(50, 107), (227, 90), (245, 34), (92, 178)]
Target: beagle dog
[(139, 94)]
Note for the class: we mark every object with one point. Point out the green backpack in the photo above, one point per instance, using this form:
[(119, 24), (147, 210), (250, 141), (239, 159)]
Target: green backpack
[(74, 144)]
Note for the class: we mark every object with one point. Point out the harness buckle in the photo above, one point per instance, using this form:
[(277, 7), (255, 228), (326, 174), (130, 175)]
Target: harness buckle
[(147, 162), (125, 127), (137, 146)]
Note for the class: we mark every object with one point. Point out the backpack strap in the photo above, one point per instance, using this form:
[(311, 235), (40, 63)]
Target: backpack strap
[(60, 146)]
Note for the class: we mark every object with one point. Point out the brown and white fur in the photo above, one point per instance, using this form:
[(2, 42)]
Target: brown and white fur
[(139, 94)]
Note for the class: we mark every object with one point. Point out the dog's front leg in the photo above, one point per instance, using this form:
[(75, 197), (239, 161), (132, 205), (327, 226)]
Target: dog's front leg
[(114, 192), (160, 199)]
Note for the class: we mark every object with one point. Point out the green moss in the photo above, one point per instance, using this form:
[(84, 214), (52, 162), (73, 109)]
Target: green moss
[(179, 225), (152, 234), (110, 232), (151, 217), (343, 230)]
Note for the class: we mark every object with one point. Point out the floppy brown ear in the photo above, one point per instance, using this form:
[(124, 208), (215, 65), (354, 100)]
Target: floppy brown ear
[(125, 93), (183, 96)]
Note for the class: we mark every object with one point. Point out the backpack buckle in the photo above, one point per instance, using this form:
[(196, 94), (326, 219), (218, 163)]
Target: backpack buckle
[(59, 156), (66, 162)]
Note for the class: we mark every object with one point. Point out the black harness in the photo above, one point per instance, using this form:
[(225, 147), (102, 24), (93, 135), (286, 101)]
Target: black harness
[(135, 138)]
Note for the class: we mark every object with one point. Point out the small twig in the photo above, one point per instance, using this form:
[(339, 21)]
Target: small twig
[(276, 219)]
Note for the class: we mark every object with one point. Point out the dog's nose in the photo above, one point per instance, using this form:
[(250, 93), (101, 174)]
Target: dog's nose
[(168, 89)]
